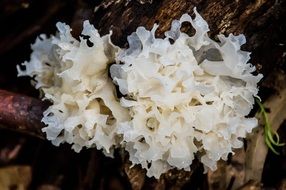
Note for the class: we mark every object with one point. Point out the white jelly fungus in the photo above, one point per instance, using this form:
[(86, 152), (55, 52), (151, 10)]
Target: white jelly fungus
[(73, 74), (186, 98), (183, 96)]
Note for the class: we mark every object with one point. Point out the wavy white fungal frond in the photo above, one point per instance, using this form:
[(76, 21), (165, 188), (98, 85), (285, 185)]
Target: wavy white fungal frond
[(185, 97), (73, 74)]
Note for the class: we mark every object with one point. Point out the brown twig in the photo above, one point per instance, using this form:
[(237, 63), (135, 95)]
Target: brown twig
[(21, 113)]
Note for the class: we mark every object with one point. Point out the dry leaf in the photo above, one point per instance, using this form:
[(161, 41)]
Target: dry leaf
[(15, 177)]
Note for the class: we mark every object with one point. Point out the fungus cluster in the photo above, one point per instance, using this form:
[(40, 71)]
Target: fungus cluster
[(182, 96)]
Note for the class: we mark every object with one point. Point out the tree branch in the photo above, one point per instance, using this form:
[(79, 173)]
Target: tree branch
[(21, 113)]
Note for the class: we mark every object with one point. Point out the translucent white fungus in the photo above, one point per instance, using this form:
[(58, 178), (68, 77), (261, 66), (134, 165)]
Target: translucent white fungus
[(73, 74), (186, 95), (183, 96)]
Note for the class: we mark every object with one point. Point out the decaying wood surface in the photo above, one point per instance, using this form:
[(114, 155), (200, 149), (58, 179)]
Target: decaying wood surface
[(262, 21)]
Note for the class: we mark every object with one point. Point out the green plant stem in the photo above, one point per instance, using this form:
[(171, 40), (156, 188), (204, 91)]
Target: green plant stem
[(271, 137)]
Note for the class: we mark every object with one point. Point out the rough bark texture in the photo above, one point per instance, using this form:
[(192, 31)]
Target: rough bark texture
[(262, 21)]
